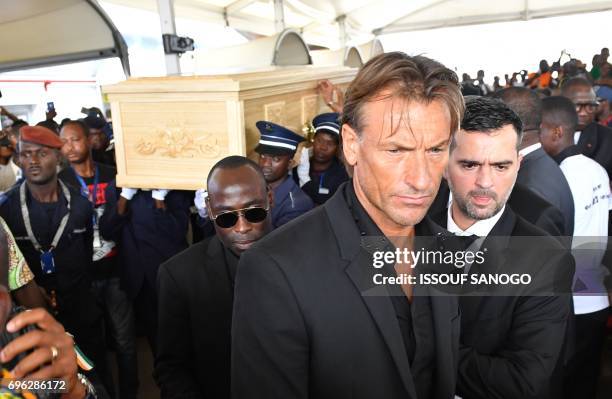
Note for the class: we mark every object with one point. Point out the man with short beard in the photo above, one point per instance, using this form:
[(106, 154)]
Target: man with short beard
[(511, 339)]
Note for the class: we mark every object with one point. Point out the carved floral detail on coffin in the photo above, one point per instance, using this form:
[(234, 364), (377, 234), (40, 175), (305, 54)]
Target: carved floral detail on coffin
[(179, 143)]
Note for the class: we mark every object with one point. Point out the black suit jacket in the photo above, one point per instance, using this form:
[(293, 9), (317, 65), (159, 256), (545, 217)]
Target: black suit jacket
[(309, 323), (195, 310), (523, 201), (596, 143), (541, 174), (512, 344)]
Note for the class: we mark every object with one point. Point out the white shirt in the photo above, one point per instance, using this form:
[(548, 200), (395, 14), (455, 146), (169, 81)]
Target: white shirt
[(530, 149), (577, 137), (481, 228), (590, 187)]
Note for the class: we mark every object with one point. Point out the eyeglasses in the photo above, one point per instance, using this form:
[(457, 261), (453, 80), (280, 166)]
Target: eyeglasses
[(588, 107), (255, 214)]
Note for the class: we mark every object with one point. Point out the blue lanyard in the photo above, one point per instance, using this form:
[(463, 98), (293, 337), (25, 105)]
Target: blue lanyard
[(321, 179), (85, 189)]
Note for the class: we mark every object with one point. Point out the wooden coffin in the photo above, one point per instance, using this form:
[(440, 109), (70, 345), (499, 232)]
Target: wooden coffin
[(170, 131)]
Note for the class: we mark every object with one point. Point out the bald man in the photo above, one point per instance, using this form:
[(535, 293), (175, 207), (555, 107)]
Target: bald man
[(196, 287), (592, 139)]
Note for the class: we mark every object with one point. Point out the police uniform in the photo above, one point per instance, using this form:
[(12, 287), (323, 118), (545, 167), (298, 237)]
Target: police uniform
[(289, 200), (322, 186)]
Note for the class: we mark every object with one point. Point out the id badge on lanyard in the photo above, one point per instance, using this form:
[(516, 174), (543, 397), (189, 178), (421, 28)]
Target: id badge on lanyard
[(93, 198), (46, 262), (322, 190)]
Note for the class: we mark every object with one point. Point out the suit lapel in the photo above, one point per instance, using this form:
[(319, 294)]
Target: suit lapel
[(360, 271), (216, 267), (444, 310), (376, 299)]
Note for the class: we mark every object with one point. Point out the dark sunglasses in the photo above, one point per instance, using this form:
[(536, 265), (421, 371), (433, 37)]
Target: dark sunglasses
[(255, 214), (588, 107)]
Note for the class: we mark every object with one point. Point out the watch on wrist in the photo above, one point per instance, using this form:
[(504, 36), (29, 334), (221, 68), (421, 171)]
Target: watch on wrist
[(89, 388)]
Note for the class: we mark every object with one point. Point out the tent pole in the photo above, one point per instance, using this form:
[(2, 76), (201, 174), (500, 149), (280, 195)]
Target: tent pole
[(279, 16), (168, 25)]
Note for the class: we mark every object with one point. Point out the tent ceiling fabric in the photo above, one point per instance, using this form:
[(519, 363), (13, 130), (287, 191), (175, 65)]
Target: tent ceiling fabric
[(317, 20), (42, 32), (37, 33)]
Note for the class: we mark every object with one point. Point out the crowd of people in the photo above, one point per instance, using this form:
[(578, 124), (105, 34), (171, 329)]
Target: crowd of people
[(547, 79), (261, 285)]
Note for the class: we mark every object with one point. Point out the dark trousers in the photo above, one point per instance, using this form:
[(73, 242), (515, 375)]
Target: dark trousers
[(145, 307), (90, 339), (119, 322), (585, 366)]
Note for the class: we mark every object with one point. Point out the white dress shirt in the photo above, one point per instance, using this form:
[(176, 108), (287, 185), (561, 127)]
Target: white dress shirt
[(528, 150), (481, 228)]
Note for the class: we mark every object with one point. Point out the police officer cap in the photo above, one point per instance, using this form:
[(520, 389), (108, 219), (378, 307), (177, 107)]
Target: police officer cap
[(327, 123), (276, 140)]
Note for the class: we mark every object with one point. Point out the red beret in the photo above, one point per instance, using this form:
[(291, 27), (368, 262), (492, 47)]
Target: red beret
[(40, 135)]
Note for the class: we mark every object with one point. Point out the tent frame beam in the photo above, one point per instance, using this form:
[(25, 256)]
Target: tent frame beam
[(492, 18)]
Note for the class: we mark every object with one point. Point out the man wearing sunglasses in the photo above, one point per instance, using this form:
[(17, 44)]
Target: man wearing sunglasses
[(196, 287), (592, 139)]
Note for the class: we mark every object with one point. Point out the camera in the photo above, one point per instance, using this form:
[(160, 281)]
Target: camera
[(174, 44)]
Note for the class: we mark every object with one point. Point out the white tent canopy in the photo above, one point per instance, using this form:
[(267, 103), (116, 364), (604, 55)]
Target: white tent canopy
[(47, 32), (337, 23), (37, 33)]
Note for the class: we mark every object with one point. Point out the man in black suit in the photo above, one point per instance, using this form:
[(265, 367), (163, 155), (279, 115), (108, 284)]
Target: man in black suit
[(511, 336), (309, 320), (538, 172), (593, 140), (196, 286)]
